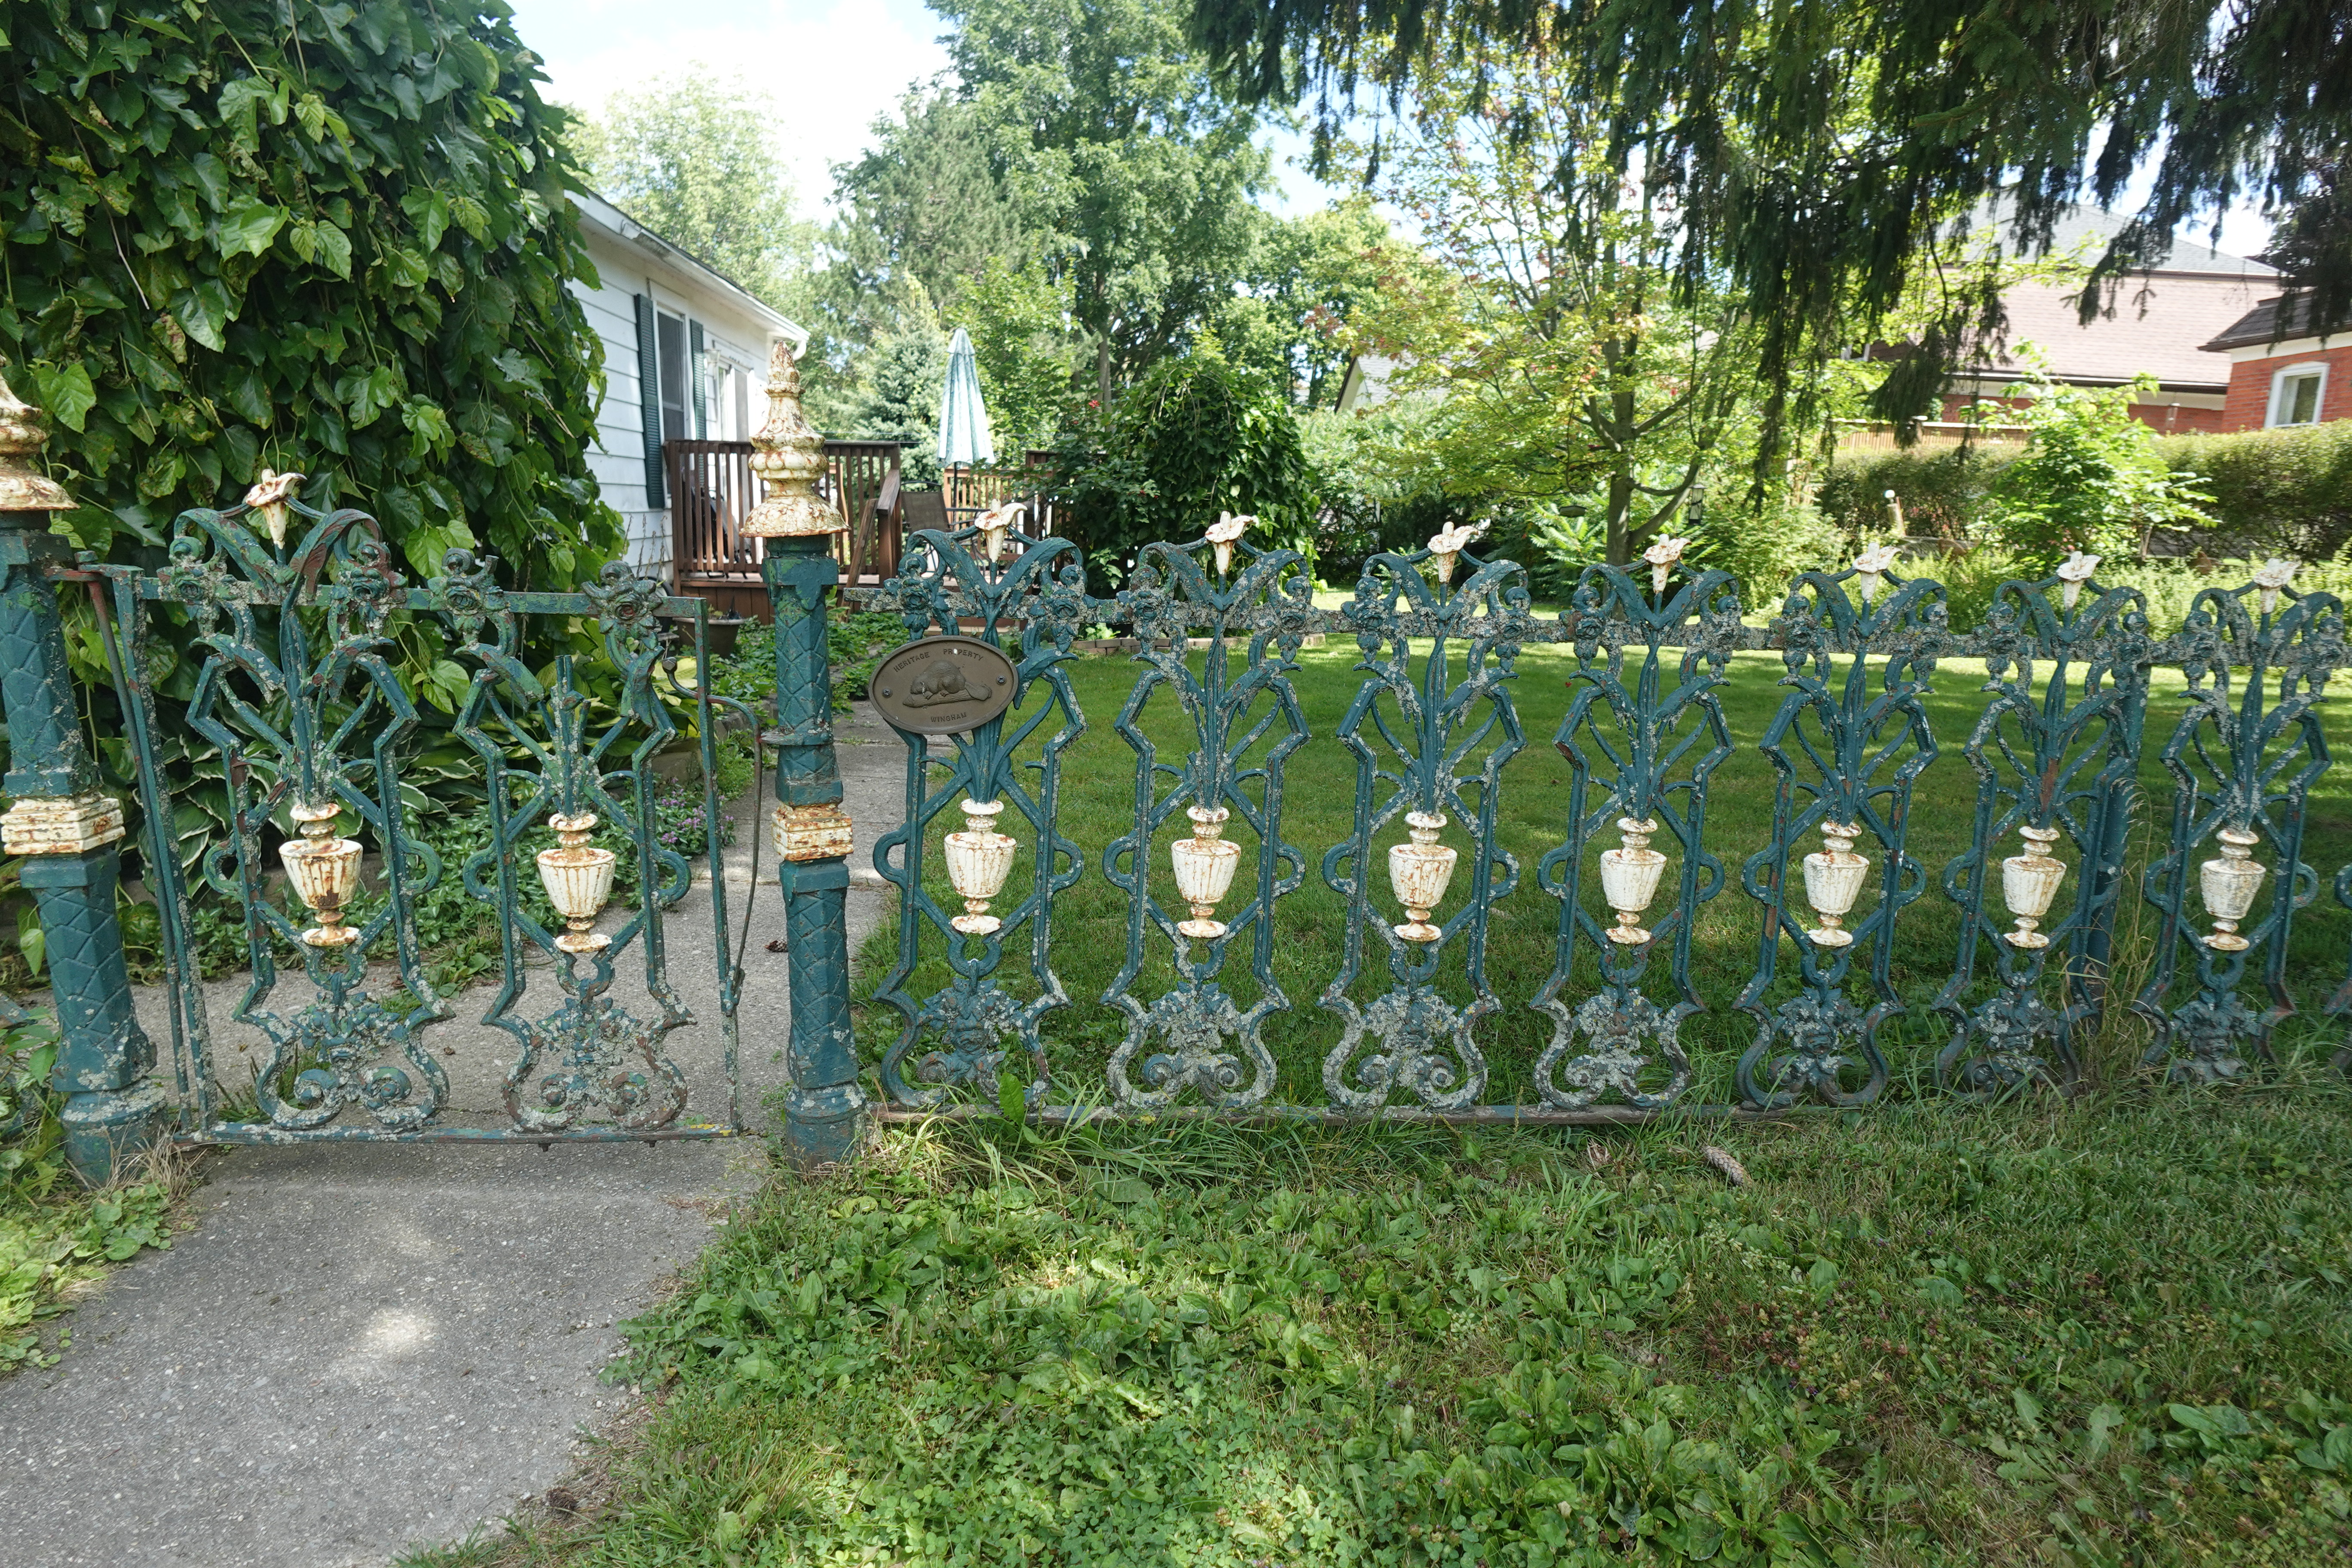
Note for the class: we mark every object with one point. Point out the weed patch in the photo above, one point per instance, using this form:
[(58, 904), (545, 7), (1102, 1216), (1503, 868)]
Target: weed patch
[(2101, 1334), (55, 1237)]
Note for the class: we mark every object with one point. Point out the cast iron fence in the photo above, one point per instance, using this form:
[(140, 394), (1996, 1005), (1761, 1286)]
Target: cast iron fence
[(1216, 626), (295, 627)]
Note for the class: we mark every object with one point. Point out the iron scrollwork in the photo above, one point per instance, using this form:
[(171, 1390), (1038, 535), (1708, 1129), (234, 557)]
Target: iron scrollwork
[(295, 690), (2242, 773), (547, 746), (2055, 760), (1030, 592), (1424, 1043), (1846, 746), (1625, 739), (1196, 1036)]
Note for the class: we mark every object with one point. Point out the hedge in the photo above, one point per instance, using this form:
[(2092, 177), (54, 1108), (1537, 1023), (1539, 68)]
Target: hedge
[(1943, 490), (2285, 492), (2276, 492)]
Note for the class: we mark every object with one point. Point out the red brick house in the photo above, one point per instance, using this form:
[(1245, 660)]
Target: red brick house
[(2284, 373), (2167, 322)]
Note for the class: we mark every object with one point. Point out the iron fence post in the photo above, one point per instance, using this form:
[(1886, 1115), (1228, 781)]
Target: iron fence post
[(66, 829), (812, 833)]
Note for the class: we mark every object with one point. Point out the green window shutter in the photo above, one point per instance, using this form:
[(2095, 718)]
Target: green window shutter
[(694, 369), (649, 399)]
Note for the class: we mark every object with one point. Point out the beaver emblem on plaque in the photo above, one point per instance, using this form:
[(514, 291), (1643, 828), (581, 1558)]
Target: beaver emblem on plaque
[(943, 685)]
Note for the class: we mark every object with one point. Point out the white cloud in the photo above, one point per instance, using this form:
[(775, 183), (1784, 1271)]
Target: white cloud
[(830, 66)]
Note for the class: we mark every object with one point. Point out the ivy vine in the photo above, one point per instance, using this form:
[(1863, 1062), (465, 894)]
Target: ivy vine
[(332, 238)]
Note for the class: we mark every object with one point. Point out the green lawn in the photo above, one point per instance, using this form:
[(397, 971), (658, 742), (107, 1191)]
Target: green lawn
[(2109, 1332), (1097, 803)]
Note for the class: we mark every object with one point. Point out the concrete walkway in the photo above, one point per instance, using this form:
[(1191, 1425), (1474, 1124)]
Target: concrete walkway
[(362, 1348)]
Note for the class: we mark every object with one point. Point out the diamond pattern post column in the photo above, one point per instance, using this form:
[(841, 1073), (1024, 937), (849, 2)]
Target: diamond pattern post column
[(796, 526), (67, 831)]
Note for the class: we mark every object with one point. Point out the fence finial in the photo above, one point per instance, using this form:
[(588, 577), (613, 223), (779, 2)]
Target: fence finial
[(789, 455), (23, 435)]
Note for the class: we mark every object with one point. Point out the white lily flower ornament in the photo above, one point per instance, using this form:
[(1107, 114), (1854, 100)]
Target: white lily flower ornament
[(1871, 567), (2076, 571), (1447, 544), (1662, 557), (269, 497), (2272, 579), (995, 524), (1224, 533)]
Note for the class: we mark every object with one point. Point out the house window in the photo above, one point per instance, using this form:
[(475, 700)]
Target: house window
[(2297, 393), (674, 386)]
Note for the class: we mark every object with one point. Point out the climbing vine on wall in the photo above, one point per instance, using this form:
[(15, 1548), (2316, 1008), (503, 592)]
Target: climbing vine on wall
[(275, 232)]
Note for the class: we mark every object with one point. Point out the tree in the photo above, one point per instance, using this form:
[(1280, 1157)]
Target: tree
[(1195, 436), (925, 202), (690, 158), (1310, 278), (2317, 228), (1131, 173), (1546, 314), (240, 236), (897, 399), (921, 215), (2091, 477), (1812, 151), (1022, 337)]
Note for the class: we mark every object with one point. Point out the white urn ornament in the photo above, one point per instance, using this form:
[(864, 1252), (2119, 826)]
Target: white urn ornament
[(2028, 884), (578, 876), (978, 860), (1419, 871), (1204, 870), (2230, 883), (325, 872), (1629, 878), (1833, 875)]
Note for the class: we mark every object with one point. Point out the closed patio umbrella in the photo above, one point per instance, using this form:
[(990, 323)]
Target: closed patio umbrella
[(963, 420)]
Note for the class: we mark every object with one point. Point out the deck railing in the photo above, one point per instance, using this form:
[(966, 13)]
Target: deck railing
[(712, 490)]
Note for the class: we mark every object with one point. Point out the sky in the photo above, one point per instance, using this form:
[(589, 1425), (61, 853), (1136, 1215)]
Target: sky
[(833, 66)]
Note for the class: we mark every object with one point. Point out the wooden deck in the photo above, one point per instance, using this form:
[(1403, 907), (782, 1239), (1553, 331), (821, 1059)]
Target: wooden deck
[(713, 491)]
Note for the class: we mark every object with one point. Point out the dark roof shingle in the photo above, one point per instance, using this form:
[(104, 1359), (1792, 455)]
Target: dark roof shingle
[(2261, 325)]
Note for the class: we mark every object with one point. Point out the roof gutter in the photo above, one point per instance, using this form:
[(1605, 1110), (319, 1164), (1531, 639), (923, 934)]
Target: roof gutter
[(595, 210)]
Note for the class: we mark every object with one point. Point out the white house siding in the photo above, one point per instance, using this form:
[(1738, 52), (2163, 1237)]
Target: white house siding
[(618, 457), (737, 330)]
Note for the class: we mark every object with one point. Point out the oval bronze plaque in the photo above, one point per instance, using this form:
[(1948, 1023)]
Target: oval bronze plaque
[(943, 686)]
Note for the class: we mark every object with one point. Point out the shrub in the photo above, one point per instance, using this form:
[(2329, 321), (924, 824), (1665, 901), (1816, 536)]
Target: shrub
[(1943, 492), (2275, 492), (1195, 436), (2269, 492), (2090, 478), (242, 235), (1763, 547), (1373, 491)]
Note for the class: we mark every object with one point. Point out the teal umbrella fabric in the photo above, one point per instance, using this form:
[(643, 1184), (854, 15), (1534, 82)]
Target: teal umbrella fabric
[(963, 420)]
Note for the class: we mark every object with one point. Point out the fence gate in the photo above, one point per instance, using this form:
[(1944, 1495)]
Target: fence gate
[(293, 813)]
